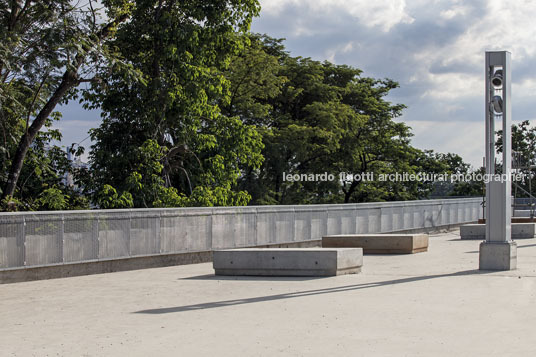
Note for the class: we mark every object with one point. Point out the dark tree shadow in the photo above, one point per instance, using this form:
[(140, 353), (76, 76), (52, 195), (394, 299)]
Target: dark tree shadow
[(526, 246)]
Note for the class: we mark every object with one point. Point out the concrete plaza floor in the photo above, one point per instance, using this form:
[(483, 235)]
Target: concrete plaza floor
[(426, 304)]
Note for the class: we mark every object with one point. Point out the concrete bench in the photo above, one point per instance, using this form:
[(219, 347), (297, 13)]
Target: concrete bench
[(478, 231), (288, 261), (379, 243)]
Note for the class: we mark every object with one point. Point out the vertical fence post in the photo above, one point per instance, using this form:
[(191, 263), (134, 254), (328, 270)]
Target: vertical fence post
[(95, 236), (129, 232), (159, 231), (211, 232), (256, 229), (62, 238), (23, 237)]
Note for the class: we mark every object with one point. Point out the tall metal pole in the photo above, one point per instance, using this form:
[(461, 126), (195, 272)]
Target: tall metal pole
[(498, 252)]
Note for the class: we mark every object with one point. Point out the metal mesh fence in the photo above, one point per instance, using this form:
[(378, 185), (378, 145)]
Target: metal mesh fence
[(44, 238)]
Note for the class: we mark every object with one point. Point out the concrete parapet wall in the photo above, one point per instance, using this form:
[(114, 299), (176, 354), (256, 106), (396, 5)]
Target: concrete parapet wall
[(53, 271), (37, 239)]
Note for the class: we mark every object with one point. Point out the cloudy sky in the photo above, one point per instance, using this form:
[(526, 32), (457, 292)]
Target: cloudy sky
[(433, 48)]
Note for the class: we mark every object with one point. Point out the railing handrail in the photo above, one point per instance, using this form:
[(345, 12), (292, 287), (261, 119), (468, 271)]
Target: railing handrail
[(219, 209)]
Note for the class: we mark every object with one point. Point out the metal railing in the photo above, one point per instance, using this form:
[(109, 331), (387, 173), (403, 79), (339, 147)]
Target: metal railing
[(43, 238), (532, 200)]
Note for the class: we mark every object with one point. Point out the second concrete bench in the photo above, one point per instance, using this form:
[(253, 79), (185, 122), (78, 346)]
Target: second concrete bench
[(379, 243), (478, 231)]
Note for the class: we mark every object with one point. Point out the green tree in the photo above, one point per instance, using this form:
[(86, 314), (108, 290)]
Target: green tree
[(451, 164), (523, 143), (164, 139), (47, 48), (108, 197), (43, 176), (319, 117), (523, 155)]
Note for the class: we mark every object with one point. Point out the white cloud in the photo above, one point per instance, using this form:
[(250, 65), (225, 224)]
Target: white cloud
[(451, 86), (348, 47), (463, 138), (504, 26), (433, 48), (453, 12), (379, 13), (331, 53)]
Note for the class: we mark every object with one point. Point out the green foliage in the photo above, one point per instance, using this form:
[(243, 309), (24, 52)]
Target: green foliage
[(108, 197), (146, 182), (523, 156), (47, 48), (10, 204), (254, 80), (470, 188), (316, 117), (52, 199), (164, 139), (523, 143), (43, 175), (319, 117), (451, 164), (196, 111)]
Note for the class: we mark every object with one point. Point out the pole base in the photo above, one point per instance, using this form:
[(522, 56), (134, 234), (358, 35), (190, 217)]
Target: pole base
[(498, 256)]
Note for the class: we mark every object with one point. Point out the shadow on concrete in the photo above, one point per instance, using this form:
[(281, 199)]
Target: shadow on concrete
[(216, 304), (254, 277), (519, 246), (526, 246)]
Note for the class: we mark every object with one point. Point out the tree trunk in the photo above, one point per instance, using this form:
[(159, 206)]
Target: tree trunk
[(351, 190), (68, 81)]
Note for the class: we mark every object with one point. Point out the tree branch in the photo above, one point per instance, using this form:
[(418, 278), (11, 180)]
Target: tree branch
[(69, 81)]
